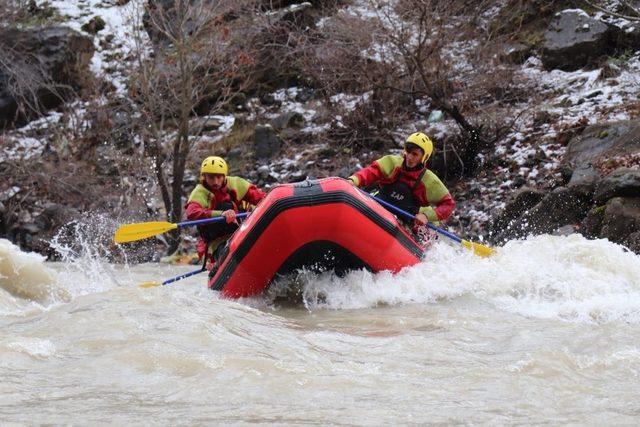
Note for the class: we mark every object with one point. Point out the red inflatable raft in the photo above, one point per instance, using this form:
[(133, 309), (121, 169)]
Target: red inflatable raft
[(324, 223)]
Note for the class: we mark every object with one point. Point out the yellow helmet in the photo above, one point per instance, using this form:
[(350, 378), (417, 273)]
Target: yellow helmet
[(214, 164), (423, 142)]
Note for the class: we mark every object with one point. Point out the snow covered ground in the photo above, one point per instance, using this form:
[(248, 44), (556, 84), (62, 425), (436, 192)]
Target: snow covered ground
[(116, 41), (570, 98), (115, 46), (532, 147)]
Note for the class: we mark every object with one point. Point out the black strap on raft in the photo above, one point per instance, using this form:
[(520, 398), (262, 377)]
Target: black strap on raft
[(205, 256), (419, 180)]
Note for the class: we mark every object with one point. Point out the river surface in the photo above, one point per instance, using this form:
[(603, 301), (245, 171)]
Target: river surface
[(546, 331)]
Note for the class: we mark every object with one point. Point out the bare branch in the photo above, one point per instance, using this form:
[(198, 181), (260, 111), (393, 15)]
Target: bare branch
[(27, 81), (617, 15)]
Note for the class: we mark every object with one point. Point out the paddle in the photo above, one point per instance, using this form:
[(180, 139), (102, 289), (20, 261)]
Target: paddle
[(478, 249), (142, 230), (153, 284)]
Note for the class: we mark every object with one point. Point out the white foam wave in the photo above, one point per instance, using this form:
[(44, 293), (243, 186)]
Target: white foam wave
[(34, 347), (24, 276), (564, 277), (567, 277)]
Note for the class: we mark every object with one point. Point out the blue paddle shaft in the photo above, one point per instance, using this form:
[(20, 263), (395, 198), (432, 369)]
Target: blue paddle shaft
[(182, 276), (408, 215), (207, 220)]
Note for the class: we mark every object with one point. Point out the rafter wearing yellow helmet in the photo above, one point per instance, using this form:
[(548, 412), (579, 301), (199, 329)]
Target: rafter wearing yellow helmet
[(406, 183), (218, 194), (421, 141)]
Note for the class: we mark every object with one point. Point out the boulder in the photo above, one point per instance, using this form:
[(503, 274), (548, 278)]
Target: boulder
[(565, 230), (629, 37), (602, 164), (48, 65), (304, 94), (105, 163), (287, 120), (54, 215), (344, 172), (584, 179), (559, 208), (94, 26), (266, 142), (517, 53), (623, 182), (298, 176), (292, 12), (234, 153), (633, 242), (268, 99), (204, 124), (25, 235), (523, 200), (621, 219), (264, 171), (589, 156), (592, 224), (574, 39)]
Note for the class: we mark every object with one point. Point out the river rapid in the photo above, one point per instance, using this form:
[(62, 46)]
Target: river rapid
[(546, 331)]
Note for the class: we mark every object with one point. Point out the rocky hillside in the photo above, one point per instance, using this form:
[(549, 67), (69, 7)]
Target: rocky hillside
[(533, 107)]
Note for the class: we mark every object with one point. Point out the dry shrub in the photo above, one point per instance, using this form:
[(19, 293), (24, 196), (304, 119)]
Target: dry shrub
[(333, 58), (413, 52)]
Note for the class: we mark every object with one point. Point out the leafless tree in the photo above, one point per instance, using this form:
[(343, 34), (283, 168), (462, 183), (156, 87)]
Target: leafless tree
[(202, 56)]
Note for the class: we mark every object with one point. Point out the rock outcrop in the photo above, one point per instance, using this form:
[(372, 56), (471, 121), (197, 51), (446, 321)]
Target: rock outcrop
[(44, 67), (266, 142), (599, 150), (574, 40), (601, 198)]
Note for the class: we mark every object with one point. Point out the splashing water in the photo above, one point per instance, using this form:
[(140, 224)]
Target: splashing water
[(544, 332), (565, 277), (86, 249), (549, 277)]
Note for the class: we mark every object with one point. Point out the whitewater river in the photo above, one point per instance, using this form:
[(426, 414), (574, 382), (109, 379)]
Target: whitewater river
[(546, 331)]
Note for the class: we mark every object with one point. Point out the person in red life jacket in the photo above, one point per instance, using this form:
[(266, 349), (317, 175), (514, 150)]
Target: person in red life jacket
[(406, 182), (218, 194)]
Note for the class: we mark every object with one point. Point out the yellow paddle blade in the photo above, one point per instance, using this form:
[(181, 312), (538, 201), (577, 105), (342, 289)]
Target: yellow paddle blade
[(141, 230), (149, 284), (478, 249)]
